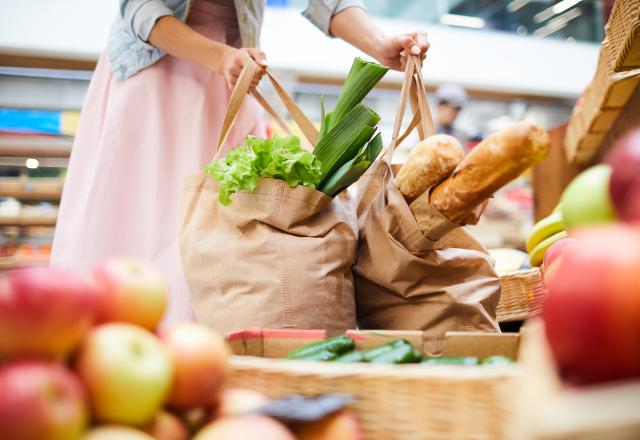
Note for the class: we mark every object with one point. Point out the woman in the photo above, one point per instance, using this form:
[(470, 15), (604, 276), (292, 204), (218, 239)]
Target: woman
[(149, 120)]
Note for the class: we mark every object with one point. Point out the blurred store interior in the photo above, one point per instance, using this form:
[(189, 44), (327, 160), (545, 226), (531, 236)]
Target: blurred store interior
[(516, 59)]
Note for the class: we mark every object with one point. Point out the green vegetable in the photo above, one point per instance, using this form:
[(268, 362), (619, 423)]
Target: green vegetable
[(403, 354), (362, 77), (344, 142), (323, 355), (496, 360), (352, 356), (466, 360), (374, 352), (351, 171), (345, 147), (278, 158), (338, 345)]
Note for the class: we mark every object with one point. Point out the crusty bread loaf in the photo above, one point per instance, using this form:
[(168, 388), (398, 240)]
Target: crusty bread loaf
[(430, 162), (493, 163)]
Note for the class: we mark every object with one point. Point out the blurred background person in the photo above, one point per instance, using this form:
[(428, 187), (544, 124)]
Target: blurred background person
[(451, 98)]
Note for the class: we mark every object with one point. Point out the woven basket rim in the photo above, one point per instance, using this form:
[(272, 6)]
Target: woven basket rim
[(455, 373), (522, 273)]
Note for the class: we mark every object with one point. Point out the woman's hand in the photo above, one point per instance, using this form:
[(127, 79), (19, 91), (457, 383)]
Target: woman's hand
[(392, 51), (178, 39), (233, 62), (354, 26)]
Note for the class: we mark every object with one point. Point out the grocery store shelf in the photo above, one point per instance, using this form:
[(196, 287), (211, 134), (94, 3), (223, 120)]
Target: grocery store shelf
[(31, 189), (35, 146), (17, 263), (30, 196), (28, 221)]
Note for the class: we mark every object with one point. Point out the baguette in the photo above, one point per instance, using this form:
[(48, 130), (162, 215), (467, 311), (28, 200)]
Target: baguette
[(429, 163), (496, 161)]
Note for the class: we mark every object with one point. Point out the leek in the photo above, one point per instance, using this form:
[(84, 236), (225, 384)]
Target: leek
[(351, 171), (362, 77), (343, 142), (345, 147)]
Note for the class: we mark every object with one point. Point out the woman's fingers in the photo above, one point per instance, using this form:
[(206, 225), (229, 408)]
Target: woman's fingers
[(408, 44), (237, 62), (258, 56), (421, 41)]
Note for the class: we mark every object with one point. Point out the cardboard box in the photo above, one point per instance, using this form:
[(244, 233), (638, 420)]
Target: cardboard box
[(276, 343)]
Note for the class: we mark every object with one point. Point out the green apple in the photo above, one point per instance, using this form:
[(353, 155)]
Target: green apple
[(586, 200), (127, 372)]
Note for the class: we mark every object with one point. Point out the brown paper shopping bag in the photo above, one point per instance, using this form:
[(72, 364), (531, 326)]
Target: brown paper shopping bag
[(277, 257), (415, 269)]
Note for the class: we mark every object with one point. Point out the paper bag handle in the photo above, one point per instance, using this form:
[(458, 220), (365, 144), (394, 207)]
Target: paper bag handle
[(241, 90), (412, 88)]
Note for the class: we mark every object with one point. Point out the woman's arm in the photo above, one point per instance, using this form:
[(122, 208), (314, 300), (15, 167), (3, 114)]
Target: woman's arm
[(354, 26), (179, 40)]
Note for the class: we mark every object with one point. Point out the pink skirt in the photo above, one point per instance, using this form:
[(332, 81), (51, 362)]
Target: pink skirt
[(137, 140)]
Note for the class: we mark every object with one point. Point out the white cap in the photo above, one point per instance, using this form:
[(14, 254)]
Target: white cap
[(452, 93)]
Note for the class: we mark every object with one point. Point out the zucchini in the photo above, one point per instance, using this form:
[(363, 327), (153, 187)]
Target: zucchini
[(496, 360), (323, 355), (403, 354), (338, 345), (352, 356), (462, 360), (374, 352)]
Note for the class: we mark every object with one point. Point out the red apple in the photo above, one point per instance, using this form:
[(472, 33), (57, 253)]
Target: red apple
[(592, 309), (340, 426), (127, 372), (41, 401), (166, 426), (625, 178), (43, 312), (116, 432), (130, 290), (554, 254), (200, 364), (237, 401), (249, 427)]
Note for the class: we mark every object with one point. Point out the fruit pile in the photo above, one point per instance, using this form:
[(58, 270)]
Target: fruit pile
[(84, 359), (592, 307)]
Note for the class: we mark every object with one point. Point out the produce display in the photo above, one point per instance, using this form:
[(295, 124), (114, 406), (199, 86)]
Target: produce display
[(592, 307), (346, 146), (341, 349), (75, 363)]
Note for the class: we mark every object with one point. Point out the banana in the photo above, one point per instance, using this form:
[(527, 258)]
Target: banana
[(543, 229), (558, 208), (537, 254)]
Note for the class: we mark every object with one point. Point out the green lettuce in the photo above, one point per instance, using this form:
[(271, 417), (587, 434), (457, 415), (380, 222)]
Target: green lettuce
[(278, 158)]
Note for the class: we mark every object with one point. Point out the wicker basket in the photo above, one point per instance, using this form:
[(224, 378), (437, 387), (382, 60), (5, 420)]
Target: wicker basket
[(603, 100), (623, 31), (522, 295), (403, 402)]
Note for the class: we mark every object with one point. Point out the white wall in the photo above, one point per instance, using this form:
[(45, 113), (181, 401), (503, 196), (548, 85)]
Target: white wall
[(482, 60)]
